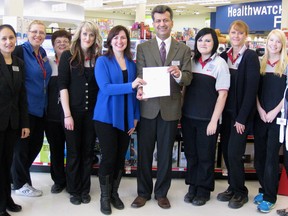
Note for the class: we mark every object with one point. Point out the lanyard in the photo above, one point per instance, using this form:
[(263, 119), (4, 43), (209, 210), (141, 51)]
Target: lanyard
[(41, 63)]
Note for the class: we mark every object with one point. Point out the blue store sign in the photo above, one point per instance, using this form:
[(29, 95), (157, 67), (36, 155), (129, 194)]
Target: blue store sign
[(260, 16)]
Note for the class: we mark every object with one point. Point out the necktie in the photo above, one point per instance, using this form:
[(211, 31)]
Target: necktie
[(163, 52)]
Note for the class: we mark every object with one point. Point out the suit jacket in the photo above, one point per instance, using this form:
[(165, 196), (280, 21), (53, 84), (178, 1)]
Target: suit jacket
[(148, 55), (13, 101)]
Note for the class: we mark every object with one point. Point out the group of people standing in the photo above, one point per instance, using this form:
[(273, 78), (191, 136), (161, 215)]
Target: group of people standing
[(84, 93), (235, 86)]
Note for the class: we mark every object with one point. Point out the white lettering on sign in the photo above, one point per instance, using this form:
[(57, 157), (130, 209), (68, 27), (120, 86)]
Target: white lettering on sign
[(248, 10), (277, 20)]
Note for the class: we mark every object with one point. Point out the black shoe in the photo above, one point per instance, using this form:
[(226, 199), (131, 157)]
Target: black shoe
[(75, 199), (85, 198), (117, 202), (4, 213), (12, 207), (199, 201), (189, 197), (56, 188), (225, 196), (237, 201), (282, 212)]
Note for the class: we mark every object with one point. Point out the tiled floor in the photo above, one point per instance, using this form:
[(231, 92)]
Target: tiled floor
[(59, 205)]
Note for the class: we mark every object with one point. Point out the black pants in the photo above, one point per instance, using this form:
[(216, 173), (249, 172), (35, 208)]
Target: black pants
[(164, 133), (266, 148), (56, 138), (80, 143), (199, 151), (233, 148), (113, 145), (8, 138), (25, 152)]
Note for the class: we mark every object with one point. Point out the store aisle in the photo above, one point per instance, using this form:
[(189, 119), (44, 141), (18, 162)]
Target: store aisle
[(59, 205)]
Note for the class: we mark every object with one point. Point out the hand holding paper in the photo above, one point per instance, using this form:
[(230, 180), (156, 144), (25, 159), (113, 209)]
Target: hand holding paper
[(157, 82)]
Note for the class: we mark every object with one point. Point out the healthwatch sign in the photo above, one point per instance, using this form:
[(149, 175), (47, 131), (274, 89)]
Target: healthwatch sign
[(260, 16)]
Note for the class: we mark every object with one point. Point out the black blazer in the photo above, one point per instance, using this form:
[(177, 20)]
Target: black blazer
[(13, 101), (247, 81)]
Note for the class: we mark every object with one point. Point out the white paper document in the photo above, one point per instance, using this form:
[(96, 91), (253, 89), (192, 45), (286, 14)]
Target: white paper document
[(158, 82)]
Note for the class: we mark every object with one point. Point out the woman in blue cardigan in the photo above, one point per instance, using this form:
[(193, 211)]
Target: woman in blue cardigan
[(116, 113)]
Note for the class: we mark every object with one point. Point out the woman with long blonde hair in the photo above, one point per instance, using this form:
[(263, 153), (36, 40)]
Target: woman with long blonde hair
[(266, 131), (78, 92)]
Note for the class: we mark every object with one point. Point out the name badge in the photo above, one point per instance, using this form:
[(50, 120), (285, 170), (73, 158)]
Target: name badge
[(15, 68), (45, 59), (175, 63), (281, 121)]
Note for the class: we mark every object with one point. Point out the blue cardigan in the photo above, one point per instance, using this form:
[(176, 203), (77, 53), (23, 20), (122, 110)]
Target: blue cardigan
[(35, 82), (110, 101)]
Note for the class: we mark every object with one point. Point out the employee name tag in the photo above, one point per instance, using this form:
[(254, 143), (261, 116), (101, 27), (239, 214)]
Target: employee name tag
[(45, 59), (15, 68), (281, 121), (175, 63)]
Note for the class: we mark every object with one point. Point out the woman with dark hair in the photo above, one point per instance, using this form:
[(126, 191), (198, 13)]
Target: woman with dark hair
[(13, 113), (78, 93), (204, 102), (116, 113), (54, 130)]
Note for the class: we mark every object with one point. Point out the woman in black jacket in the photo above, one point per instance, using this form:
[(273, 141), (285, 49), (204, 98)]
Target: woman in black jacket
[(238, 113), (13, 113), (78, 92)]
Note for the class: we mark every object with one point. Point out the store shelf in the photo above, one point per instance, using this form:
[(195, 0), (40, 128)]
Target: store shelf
[(42, 164)]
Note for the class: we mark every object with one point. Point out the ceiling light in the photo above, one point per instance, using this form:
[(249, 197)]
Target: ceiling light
[(119, 7), (215, 2), (133, 2), (110, 1), (93, 3)]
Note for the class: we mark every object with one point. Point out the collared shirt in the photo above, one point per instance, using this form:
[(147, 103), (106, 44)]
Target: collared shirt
[(167, 44), (203, 63), (167, 47), (201, 95), (272, 64), (215, 68), (233, 64)]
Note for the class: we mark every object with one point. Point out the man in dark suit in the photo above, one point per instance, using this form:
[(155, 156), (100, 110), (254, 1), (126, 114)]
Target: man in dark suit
[(160, 115)]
